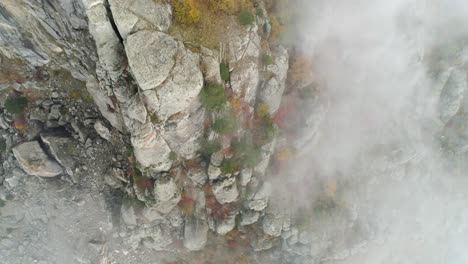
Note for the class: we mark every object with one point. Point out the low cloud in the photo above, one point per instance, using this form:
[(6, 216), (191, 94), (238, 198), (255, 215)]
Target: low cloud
[(380, 67)]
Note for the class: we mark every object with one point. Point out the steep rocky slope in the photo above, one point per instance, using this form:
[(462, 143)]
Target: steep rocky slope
[(129, 135)]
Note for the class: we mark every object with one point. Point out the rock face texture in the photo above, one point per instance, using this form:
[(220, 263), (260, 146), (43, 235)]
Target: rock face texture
[(141, 128)]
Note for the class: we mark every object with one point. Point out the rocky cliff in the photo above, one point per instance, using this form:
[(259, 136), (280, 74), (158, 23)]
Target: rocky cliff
[(149, 131)]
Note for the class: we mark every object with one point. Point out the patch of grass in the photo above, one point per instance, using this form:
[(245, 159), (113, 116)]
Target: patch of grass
[(224, 71), (229, 166), (246, 17), (246, 151), (226, 123), (213, 97), (267, 59), (209, 31), (16, 104)]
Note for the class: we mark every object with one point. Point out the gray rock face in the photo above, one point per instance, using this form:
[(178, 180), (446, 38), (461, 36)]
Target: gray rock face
[(245, 176), (104, 103), (451, 96), (102, 130), (273, 89), (151, 55), (108, 44), (213, 172), (197, 175), (245, 79), (42, 32), (166, 193), (249, 217), (260, 198), (180, 91), (150, 148), (226, 224), (182, 135), (226, 191), (63, 149), (210, 65), (195, 233), (272, 225), (35, 161), (136, 109), (132, 16)]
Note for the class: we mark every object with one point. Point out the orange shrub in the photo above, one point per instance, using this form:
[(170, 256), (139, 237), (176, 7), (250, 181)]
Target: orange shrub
[(185, 12)]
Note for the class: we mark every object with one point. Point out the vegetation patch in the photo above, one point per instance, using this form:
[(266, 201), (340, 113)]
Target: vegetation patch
[(213, 97), (261, 110), (229, 166), (246, 151), (246, 17), (224, 71), (16, 104), (264, 131), (226, 123), (267, 59), (185, 12)]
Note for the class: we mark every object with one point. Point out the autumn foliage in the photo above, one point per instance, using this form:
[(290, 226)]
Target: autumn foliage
[(185, 11)]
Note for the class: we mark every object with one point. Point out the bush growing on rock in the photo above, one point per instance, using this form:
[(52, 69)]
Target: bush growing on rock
[(185, 12), (264, 131), (267, 59), (213, 97), (229, 166), (15, 104), (208, 147), (225, 124), (246, 151), (246, 18), (224, 71)]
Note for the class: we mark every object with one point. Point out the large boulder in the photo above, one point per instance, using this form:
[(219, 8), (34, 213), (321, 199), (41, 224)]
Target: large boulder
[(35, 161), (64, 150), (151, 55), (132, 16)]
